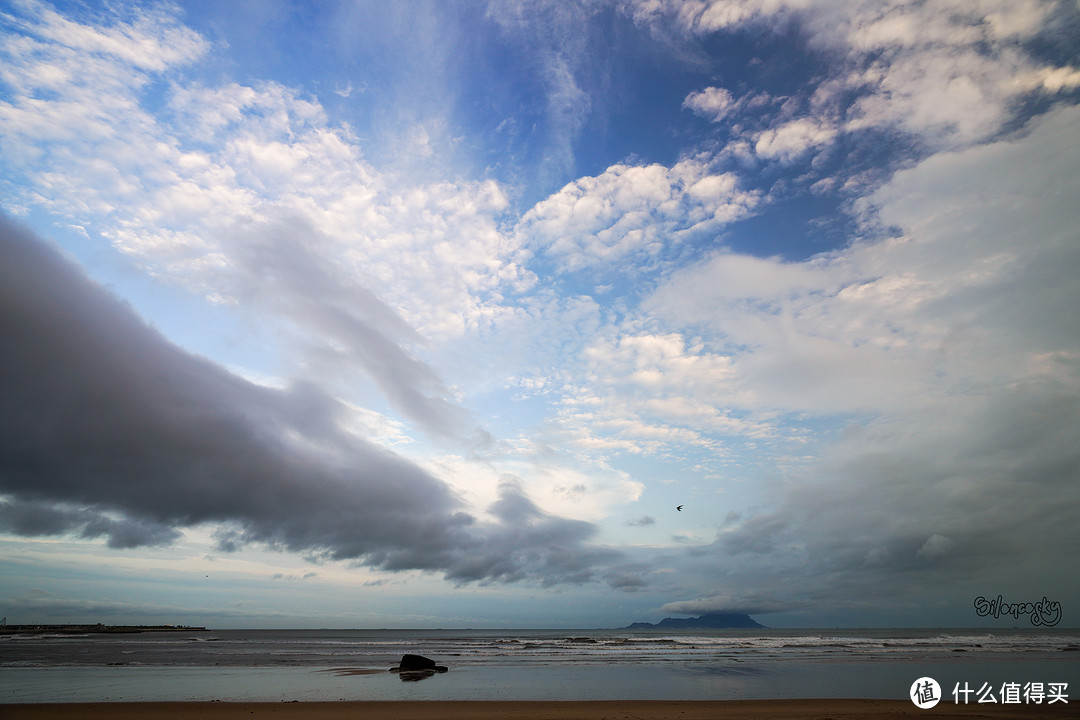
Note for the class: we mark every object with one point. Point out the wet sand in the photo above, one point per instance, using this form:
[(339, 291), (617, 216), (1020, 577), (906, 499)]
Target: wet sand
[(559, 710)]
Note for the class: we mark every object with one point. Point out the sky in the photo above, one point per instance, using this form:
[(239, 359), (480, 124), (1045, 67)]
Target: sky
[(434, 314)]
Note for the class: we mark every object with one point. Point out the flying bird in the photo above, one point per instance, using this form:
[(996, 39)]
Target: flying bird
[(679, 508)]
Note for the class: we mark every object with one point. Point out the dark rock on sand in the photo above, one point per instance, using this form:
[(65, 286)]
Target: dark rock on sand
[(415, 662), (417, 667)]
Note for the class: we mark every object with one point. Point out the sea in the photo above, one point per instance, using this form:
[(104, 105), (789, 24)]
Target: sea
[(1014, 665)]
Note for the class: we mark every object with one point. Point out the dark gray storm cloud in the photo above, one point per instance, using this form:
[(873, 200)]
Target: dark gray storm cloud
[(109, 431), (979, 501), (277, 265)]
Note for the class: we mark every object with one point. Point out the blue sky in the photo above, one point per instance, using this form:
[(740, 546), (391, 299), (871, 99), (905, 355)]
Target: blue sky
[(430, 314)]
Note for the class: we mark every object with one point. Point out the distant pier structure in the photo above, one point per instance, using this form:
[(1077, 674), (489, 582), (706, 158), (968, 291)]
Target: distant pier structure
[(69, 629)]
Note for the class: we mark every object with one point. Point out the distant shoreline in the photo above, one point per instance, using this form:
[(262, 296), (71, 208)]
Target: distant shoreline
[(68, 629)]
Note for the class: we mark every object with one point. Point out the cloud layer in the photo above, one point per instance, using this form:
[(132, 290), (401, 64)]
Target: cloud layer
[(110, 431), (955, 345), (805, 269)]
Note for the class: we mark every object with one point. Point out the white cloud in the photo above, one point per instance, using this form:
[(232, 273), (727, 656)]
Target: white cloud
[(264, 113), (706, 16), (1057, 79), (632, 211), (564, 484), (728, 603), (659, 361), (654, 394), (936, 546), (789, 141), (949, 72), (938, 309), (152, 41), (712, 103), (239, 177)]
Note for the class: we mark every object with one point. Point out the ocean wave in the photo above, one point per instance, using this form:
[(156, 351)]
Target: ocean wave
[(379, 648)]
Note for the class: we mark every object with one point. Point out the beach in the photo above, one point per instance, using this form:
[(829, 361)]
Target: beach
[(814, 709), (539, 674)]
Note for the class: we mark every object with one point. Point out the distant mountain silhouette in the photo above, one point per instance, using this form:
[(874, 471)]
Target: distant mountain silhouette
[(709, 620)]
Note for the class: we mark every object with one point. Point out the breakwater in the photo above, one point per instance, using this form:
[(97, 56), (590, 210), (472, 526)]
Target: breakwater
[(74, 629)]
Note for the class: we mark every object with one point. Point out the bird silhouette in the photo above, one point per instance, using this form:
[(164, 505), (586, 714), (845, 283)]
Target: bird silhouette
[(679, 508)]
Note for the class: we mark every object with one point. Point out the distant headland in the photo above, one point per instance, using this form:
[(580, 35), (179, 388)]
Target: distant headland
[(709, 620), (68, 629)]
